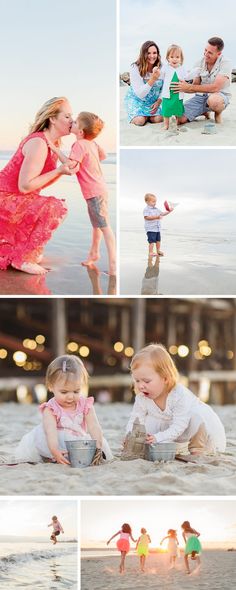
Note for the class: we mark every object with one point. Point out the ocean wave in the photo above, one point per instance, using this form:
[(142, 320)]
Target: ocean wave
[(37, 555)]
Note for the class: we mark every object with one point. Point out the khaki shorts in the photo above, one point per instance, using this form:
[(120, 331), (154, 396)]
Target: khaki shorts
[(98, 211)]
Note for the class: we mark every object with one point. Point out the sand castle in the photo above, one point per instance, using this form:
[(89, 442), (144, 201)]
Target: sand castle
[(134, 446)]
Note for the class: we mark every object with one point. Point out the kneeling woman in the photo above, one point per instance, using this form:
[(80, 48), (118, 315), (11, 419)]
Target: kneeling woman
[(28, 219), (143, 97)]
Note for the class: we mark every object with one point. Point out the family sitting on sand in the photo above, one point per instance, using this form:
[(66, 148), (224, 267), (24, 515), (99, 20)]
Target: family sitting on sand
[(192, 548), (156, 91), (167, 409), (28, 219)]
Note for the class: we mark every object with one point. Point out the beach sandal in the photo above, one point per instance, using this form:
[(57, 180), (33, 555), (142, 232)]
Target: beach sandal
[(99, 457)]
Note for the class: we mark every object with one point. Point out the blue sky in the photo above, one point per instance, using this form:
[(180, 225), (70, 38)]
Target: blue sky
[(53, 48), (184, 22), (202, 181)]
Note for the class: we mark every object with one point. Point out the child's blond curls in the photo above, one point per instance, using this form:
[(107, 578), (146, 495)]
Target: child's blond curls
[(172, 49), (90, 123), (67, 367), (157, 356), (149, 196)]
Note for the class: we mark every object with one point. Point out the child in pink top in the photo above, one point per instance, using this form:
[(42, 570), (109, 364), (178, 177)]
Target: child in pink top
[(123, 543), (57, 529), (88, 154), (67, 416)]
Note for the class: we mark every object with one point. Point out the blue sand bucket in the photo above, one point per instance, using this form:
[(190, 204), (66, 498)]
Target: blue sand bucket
[(160, 451), (209, 128), (81, 452)]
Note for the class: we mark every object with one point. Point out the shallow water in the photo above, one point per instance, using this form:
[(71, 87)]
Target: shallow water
[(47, 567), (193, 264)]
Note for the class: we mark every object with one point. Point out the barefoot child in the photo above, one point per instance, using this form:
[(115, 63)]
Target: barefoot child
[(66, 416), (57, 529), (87, 153), (172, 545), (173, 71), (123, 543), (142, 548), (152, 224), (193, 546), (170, 411)]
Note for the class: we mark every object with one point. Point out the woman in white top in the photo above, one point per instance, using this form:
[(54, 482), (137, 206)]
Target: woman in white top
[(142, 100), (170, 411)]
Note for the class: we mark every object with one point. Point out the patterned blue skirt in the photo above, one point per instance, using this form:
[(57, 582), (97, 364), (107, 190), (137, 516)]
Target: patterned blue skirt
[(137, 107)]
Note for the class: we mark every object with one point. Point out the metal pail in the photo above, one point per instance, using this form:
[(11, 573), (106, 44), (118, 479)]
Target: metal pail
[(160, 451), (81, 452)]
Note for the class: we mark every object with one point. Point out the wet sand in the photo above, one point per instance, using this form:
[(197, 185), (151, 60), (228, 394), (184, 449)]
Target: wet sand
[(67, 248), (218, 570), (192, 265), (207, 476), (190, 134)]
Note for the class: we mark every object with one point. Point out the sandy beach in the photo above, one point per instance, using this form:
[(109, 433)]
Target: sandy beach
[(207, 476), (68, 247), (217, 571), (194, 263), (190, 134)]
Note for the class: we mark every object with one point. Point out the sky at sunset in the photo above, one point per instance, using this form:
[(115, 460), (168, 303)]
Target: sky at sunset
[(56, 48), (214, 519), (29, 518)]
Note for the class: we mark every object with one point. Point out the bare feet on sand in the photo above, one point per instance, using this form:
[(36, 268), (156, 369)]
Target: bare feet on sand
[(92, 258), (31, 268)]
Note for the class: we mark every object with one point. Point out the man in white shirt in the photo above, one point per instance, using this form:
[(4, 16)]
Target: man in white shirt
[(212, 87)]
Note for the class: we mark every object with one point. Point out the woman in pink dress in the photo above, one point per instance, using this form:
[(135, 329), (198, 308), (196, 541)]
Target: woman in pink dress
[(28, 219)]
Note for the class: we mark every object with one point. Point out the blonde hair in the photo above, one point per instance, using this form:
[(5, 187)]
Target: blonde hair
[(67, 366), (92, 125), (159, 358), (171, 49), (149, 196), (51, 108)]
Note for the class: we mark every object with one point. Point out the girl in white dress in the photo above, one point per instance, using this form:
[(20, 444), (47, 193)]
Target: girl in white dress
[(172, 545), (67, 416), (170, 411)]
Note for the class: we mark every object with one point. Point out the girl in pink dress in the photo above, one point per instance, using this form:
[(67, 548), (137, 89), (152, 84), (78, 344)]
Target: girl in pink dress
[(123, 543), (57, 529), (67, 416), (28, 219)]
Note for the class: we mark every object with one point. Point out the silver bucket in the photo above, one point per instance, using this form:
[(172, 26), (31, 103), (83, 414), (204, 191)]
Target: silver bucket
[(160, 451), (81, 452)]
